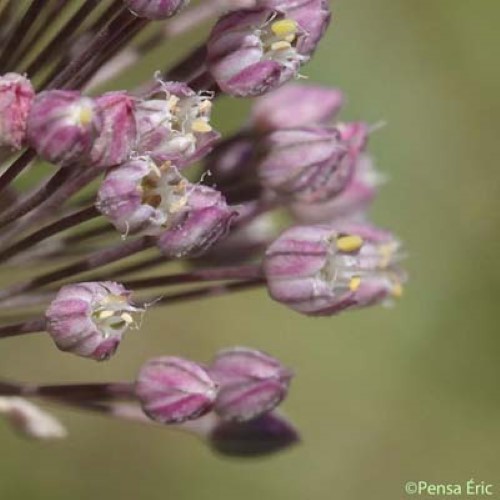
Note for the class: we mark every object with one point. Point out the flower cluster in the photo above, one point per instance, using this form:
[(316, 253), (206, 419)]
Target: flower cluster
[(144, 170)]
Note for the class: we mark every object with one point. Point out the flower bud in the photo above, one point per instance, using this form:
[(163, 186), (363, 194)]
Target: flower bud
[(139, 197), (30, 420), (251, 383), (172, 390), (117, 135), (296, 105), (253, 51), (16, 96), (89, 319), (351, 203), (177, 127), (155, 9), (62, 126), (267, 434), (322, 270), (204, 220), (308, 164)]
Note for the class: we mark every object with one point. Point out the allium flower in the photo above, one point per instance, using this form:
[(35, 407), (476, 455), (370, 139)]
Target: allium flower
[(351, 203), (121, 194), (140, 197), (203, 221), (175, 124), (323, 270), (253, 51), (16, 96), (89, 319), (296, 105), (62, 126), (251, 382), (306, 164), (173, 390), (117, 130)]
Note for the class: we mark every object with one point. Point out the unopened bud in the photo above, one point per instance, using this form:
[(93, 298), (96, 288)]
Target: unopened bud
[(251, 383), (296, 105), (172, 390), (118, 132), (265, 435), (16, 96), (62, 126)]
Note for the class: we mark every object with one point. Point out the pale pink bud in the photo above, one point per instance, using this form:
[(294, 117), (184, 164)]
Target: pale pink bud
[(172, 390), (251, 383), (296, 105), (351, 203), (204, 220), (16, 96), (308, 164), (118, 131), (62, 126)]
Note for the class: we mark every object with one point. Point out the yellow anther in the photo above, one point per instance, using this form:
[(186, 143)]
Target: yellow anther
[(397, 290), (284, 27), (355, 283), (205, 106), (290, 38), (85, 115), (172, 102), (105, 314), (350, 243), (127, 318), (280, 46), (113, 299), (201, 126)]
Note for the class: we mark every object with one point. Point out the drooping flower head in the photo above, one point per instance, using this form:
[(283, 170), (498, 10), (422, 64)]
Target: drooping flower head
[(253, 51), (133, 188), (139, 197), (323, 270), (89, 319), (174, 124)]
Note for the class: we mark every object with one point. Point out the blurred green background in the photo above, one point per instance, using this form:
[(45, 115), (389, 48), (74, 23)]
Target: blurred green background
[(382, 396)]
